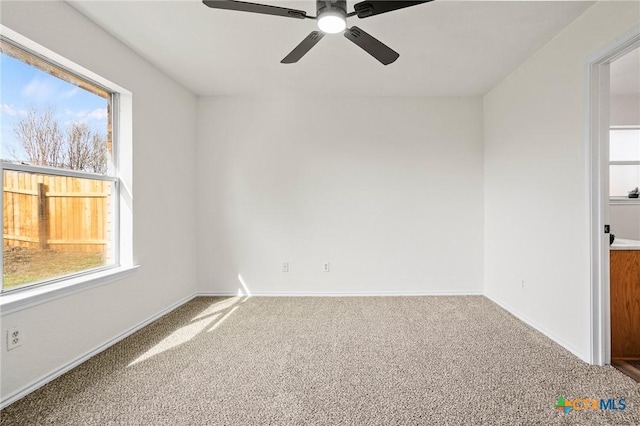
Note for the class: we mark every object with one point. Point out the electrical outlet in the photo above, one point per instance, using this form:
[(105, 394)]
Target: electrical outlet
[(14, 338), (326, 267), (522, 283), (285, 267)]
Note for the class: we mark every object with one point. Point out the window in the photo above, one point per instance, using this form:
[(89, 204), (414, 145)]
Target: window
[(64, 176), (624, 160)]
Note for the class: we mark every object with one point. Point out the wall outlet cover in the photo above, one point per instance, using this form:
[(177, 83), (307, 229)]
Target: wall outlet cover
[(14, 338)]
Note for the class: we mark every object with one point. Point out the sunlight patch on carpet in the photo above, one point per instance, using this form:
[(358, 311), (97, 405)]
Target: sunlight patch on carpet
[(177, 338), (218, 307), (227, 315)]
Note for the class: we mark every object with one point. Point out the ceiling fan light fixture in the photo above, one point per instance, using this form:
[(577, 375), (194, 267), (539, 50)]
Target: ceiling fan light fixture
[(332, 22), (332, 18)]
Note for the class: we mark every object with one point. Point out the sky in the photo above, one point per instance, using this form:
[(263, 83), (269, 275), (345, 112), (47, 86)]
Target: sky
[(23, 87)]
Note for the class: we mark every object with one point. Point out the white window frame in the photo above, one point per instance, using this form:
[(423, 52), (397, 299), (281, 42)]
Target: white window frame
[(122, 108), (622, 199)]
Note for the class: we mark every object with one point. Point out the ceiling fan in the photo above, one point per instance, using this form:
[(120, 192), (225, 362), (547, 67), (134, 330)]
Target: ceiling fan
[(332, 18)]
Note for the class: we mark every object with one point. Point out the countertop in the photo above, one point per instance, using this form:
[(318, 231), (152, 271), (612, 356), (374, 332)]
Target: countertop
[(622, 244)]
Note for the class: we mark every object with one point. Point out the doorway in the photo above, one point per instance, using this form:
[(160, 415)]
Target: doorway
[(624, 212), (599, 132)]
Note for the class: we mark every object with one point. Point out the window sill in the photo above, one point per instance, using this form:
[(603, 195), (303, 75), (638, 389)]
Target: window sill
[(29, 297), (624, 200)]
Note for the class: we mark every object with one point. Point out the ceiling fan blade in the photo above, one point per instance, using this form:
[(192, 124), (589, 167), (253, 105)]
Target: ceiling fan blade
[(302, 49), (371, 45), (375, 7), (244, 6)]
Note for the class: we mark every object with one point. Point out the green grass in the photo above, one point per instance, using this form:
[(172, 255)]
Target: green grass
[(27, 266)]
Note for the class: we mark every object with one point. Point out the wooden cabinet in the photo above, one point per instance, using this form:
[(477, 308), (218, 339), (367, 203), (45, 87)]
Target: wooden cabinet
[(625, 304)]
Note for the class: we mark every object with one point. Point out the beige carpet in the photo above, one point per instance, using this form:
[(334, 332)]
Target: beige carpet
[(326, 361)]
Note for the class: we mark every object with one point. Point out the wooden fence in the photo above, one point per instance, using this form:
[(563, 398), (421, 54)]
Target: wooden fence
[(56, 212)]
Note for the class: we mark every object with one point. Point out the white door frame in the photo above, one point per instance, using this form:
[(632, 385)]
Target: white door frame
[(598, 147)]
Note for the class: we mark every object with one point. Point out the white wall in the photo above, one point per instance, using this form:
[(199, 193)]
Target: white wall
[(388, 190), (164, 114), (536, 185), (625, 110), (625, 220)]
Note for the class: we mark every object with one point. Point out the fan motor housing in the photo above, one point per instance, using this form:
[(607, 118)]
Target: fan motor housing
[(339, 6)]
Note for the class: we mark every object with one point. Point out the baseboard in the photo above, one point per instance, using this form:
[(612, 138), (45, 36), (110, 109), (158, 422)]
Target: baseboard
[(333, 294), (538, 327), (79, 360)]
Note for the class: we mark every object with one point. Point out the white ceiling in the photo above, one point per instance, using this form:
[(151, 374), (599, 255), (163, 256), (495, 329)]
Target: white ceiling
[(625, 74), (447, 48)]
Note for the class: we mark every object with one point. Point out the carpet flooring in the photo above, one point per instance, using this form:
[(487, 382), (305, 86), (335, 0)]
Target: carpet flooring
[(326, 361)]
